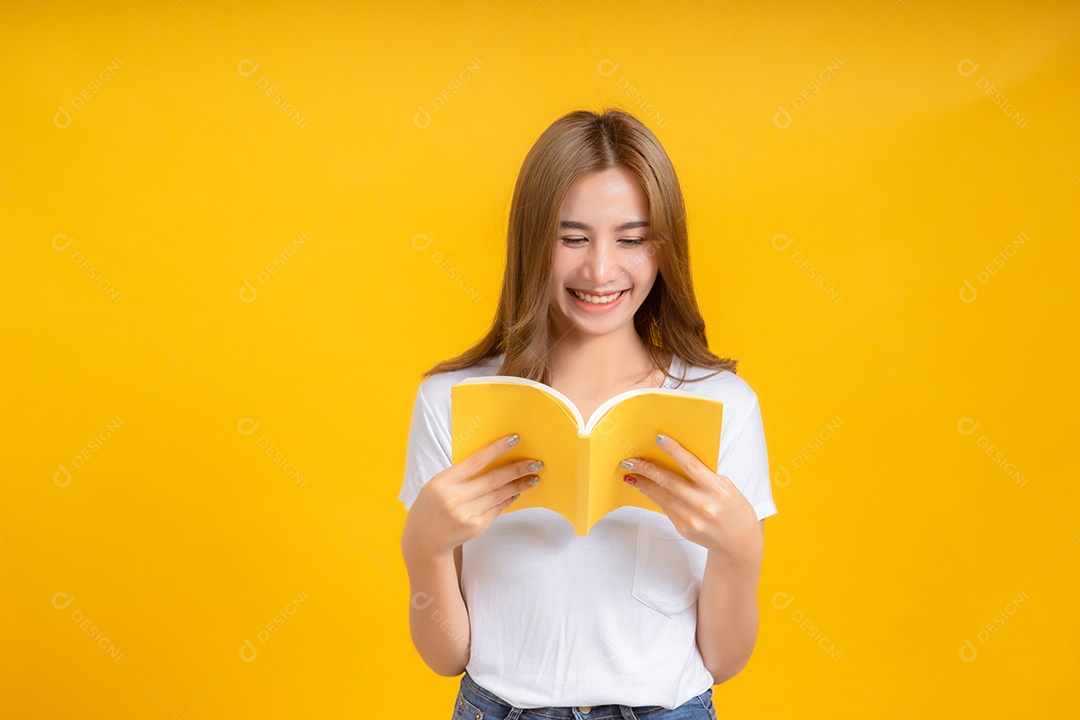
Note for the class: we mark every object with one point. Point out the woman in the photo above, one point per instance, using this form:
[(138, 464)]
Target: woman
[(645, 613)]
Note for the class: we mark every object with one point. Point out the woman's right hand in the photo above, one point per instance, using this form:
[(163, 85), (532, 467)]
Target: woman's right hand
[(458, 504)]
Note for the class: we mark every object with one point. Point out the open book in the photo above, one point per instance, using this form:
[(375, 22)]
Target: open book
[(581, 478)]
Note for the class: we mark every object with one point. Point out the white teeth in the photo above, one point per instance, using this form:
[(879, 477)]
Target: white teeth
[(596, 299)]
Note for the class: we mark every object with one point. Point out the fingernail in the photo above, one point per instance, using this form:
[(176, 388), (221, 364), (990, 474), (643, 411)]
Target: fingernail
[(661, 439), (536, 466), (515, 496), (512, 440), (533, 480), (629, 479), (626, 464)]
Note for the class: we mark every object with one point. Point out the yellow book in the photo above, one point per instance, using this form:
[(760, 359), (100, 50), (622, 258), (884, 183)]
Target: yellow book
[(581, 478)]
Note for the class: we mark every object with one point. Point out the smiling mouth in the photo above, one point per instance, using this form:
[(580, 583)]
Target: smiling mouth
[(597, 299)]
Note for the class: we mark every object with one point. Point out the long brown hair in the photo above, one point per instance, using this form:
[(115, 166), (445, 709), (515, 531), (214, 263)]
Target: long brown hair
[(578, 144)]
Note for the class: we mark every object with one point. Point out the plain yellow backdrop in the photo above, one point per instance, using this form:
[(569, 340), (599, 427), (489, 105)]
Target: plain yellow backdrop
[(234, 234)]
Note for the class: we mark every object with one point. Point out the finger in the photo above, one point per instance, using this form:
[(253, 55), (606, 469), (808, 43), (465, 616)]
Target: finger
[(692, 467), (662, 497), (672, 482), (490, 515), (513, 489), (501, 506), (480, 459), (501, 477)]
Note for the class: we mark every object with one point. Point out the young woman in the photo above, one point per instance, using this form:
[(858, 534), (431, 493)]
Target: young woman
[(642, 616)]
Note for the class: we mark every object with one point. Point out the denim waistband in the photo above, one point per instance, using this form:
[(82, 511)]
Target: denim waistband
[(478, 703)]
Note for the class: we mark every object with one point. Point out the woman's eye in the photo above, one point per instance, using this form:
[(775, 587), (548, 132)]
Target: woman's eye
[(632, 242)]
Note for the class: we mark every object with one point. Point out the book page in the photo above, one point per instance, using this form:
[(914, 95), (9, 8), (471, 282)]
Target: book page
[(629, 430), (485, 409)]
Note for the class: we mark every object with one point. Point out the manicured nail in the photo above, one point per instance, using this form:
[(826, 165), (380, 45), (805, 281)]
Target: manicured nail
[(512, 440), (661, 439), (533, 480), (629, 479), (536, 466), (627, 465), (515, 496)]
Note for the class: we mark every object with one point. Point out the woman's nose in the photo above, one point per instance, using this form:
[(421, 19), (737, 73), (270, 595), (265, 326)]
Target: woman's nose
[(601, 260)]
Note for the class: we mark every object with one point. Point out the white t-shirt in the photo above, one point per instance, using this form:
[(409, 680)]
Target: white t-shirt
[(608, 618)]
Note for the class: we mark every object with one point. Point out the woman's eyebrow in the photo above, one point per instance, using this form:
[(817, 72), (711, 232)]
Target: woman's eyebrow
[(576, 225)]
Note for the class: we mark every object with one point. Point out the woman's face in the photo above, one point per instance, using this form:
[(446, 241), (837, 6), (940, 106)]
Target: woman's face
[(603, 250)]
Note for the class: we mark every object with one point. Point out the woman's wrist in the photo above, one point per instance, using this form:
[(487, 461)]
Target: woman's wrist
[(747, 555), (418, 553)]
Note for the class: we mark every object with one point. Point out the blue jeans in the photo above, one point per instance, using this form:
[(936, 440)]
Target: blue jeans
[(475, 703)]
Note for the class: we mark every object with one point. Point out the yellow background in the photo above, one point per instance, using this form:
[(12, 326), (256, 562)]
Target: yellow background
[(230, 257)]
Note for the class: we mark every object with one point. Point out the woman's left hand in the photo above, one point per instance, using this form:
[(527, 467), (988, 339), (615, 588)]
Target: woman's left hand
[(705, 507)]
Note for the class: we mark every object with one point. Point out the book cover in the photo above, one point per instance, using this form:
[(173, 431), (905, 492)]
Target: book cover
[(581, 478)]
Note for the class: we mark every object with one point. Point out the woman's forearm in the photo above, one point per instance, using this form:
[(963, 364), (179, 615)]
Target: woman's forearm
[(727, 614), (438, 618)]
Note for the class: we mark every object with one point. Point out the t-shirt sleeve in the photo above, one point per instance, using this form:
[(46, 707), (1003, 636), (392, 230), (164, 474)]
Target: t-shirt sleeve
[(744, 459), (429, 446)]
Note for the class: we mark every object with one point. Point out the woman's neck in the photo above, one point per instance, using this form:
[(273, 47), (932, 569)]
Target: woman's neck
[(595, 364)]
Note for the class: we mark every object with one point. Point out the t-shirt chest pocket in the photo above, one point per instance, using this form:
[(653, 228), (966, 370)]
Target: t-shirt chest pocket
[(667, 573)]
